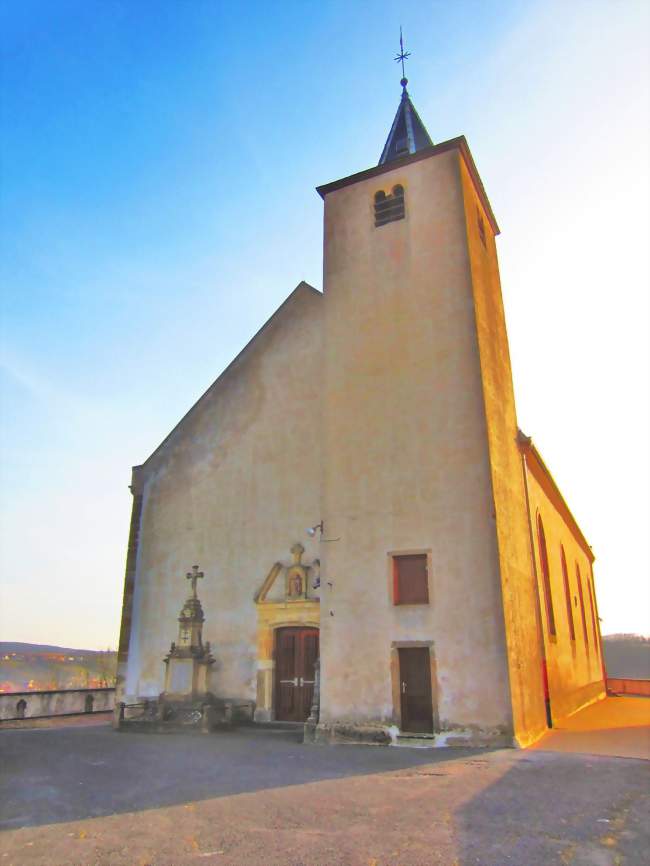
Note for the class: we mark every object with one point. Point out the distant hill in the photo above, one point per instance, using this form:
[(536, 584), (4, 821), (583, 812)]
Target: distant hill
[(627, 656), (41, 667), (8, 647)]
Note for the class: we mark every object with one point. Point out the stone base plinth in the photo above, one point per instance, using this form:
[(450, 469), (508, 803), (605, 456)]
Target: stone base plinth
[(347, 732), (385, 735), (169, 713)]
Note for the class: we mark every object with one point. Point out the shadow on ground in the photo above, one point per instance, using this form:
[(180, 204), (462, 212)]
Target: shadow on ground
[(50, 776), (587, 811)]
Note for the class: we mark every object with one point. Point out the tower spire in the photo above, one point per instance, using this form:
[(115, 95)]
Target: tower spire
[(407, 134)]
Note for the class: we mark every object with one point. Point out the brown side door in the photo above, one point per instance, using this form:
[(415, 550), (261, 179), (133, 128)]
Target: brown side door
[(296, 651), (415, 690)]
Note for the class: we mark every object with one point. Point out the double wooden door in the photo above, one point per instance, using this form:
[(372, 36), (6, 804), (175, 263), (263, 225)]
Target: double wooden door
[(296, 651), (415, 690)]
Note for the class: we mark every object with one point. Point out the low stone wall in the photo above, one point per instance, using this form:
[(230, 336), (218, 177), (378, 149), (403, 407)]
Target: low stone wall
[(34, 705), (626, 686)]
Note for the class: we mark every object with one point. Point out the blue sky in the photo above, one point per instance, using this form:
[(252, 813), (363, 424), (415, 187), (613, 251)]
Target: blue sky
[(159, 161)]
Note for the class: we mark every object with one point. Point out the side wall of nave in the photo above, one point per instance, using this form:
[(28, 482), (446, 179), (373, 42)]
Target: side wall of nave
[(567, 597)]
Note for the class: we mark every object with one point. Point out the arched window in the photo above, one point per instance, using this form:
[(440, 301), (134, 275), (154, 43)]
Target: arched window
[(481, 227), (593, 615), (546, 576), (567, 595), (582, 606), (21, 706), (89, 703), (389, 208)]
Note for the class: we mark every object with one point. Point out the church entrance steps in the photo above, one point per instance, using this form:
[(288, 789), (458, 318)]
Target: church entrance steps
[(415, 741), (453, 740)]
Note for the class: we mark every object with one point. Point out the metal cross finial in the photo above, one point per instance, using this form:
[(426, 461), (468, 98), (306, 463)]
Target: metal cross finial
[(194, 575), (401, 57)]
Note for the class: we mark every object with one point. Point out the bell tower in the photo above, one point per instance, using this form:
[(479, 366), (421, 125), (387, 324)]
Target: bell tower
[(418, 422)]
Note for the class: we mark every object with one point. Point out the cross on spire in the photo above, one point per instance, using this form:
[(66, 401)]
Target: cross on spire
[(193, 576), (408, 134), (401, 57)]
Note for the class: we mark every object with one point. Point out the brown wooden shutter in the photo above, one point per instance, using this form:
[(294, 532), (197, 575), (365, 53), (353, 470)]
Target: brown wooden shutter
[(411, 579)]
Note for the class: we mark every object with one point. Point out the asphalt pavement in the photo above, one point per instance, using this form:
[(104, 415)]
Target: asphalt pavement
[(64, 774)]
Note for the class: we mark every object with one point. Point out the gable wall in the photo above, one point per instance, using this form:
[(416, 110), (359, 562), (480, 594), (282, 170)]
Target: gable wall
[(231, 489)]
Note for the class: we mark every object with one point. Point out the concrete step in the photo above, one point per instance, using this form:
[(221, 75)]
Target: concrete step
[(416, 741)]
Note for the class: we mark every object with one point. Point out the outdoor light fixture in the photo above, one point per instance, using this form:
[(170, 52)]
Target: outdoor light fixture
[(311, 532)]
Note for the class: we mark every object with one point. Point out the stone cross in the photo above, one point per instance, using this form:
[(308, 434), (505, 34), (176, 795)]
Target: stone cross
[(194, 575)]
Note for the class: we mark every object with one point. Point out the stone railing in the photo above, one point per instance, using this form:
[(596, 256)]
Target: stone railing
[(627, 686), (63, 702)]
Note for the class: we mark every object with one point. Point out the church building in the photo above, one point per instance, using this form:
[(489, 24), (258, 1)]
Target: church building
[(384, 554)]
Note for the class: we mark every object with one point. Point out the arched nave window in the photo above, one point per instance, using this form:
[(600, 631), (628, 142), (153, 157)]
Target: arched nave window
[(546, 576)]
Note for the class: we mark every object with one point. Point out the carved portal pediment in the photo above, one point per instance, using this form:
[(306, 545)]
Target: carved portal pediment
[(293, 582)]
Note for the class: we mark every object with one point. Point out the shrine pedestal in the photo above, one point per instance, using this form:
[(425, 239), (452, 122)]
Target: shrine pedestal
[(186, 703)]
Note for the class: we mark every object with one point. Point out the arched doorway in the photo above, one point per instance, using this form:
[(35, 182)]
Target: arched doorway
[(88, 704), (21, 706), (287, 603), (296, 652)]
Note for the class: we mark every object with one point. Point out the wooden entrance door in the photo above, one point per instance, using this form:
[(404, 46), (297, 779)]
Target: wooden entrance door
[(415, 690), (296, 651)]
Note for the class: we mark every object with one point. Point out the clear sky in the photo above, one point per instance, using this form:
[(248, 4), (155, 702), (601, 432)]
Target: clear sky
[(159, 161)]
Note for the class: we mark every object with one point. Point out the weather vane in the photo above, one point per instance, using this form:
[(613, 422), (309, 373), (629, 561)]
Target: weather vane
[(401, 57)]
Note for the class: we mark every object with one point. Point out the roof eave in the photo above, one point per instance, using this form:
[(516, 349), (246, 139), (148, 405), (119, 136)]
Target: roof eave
[(459, 143), (526, 446), (302, 287)]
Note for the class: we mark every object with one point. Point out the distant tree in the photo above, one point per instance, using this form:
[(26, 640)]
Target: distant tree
[(54, 682), (106, 666)]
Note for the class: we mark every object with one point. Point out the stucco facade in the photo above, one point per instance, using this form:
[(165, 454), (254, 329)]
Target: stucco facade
[(232, 487), (406, 462), (382, 413)]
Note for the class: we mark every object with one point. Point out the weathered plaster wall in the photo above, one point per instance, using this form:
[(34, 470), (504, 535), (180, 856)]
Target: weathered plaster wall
[(55, 703), (231, 489), (517, 578), (575, 668), (406, 461)]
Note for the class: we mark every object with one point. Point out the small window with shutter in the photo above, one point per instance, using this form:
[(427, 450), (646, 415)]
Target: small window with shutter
[(410, 579), (389, 208)]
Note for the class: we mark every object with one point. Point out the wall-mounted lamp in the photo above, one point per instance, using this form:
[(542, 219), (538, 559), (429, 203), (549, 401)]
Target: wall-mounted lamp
[(311, 532)]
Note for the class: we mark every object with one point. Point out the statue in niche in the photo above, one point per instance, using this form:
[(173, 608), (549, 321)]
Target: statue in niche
[(296, 580)]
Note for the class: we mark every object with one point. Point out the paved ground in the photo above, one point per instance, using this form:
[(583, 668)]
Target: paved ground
[(311, 806), (69, 773), (617, 726)]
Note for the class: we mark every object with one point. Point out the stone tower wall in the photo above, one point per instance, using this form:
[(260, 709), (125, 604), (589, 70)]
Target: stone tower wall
[(405, 456)]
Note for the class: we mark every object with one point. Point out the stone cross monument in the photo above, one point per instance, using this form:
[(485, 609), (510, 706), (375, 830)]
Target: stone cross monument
[(189, 659)]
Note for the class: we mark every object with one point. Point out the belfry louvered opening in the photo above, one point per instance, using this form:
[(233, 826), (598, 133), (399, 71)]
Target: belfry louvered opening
[(389, 208)]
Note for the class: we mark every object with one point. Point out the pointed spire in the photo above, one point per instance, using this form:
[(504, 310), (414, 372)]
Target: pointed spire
[(407, 134)]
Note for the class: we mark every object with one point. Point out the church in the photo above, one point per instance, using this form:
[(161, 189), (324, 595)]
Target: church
[(385, 557)]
